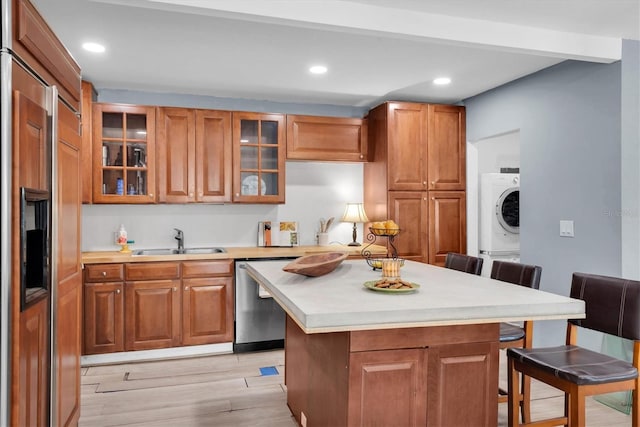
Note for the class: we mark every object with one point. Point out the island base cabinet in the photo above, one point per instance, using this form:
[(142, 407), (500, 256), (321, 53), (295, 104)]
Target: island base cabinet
[(296, 369), (461, 380), (387, 388), (426, 376)]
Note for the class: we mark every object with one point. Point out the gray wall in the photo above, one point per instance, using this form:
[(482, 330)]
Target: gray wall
[(569, 117)]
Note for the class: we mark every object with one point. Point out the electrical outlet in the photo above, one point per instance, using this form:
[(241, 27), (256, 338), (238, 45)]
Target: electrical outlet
[(566, 228)]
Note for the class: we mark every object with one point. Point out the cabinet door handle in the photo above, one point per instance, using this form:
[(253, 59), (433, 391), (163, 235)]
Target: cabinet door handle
[(150, 195), (117, 291), (190, 194), (237, 194), (433, 183), (104, 274), (361, 156), (186, 288), (175, 289), (424, 182)]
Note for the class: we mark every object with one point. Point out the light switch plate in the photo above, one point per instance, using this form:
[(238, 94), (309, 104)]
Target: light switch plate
[(566, 228)]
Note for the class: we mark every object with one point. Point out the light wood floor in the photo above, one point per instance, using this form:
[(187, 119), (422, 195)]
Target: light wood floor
[(229, 390)]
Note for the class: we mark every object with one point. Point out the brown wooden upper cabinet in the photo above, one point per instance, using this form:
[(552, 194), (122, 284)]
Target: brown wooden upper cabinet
[(258, 157), (124, 154), (425, 143), (326, 138), (446, 147), (194, 155)]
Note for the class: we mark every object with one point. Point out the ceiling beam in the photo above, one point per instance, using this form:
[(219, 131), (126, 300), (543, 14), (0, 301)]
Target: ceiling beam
[(359, 18)]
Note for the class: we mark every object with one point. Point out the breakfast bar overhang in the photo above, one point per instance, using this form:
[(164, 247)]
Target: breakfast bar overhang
[(355, 357)]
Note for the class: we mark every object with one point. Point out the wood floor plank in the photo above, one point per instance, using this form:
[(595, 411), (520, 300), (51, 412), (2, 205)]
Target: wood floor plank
[(170, 381), (99, 379)]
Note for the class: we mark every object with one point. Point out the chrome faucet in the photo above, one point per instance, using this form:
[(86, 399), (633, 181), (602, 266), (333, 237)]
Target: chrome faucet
[(180, 238)]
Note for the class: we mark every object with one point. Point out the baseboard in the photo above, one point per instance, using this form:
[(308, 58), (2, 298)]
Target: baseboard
[(159, 354)]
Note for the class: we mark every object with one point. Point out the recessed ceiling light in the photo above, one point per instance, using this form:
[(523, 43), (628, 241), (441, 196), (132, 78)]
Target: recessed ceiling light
[(318, 69), (93, 47), (442, 81)]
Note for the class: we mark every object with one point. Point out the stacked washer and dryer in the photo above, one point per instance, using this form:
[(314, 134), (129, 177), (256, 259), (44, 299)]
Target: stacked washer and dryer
[(499, 218)]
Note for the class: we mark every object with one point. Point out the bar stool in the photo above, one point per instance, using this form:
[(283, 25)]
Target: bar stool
[(513, 335), (464, 263), (612, 306)]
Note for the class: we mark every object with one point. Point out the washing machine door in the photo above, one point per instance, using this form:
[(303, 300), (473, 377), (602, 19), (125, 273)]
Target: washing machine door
[(508, 210)]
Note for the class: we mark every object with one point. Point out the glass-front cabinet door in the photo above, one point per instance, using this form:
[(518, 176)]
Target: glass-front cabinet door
[(124, 153), (258, 156)]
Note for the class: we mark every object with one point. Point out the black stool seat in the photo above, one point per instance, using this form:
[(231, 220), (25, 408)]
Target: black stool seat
[(576, 364), (510, 332)]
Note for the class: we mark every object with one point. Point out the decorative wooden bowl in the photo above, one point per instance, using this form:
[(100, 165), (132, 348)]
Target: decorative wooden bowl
[(316, 265)]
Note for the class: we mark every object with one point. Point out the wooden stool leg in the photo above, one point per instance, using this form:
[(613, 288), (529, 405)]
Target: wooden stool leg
[(635, 405), (526, 399), (513, 401), (576, 408)]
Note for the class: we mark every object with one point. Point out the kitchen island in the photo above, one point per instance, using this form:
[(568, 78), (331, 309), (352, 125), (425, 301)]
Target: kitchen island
[(354, 356)]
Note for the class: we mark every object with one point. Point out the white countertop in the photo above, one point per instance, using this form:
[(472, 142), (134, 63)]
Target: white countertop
[(338, 301)]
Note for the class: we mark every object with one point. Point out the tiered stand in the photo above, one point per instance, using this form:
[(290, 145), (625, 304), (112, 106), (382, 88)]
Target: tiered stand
[(372, 237)]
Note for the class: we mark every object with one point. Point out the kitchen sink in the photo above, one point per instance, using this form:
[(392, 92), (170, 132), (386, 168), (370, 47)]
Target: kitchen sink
[(192, 251), (204, 251)]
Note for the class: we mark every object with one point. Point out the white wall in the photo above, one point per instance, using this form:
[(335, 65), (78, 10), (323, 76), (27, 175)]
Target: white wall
[(314, 190), (500, 151)]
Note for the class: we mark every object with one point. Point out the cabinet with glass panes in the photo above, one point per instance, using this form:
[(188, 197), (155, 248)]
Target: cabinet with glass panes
[(124, 153), (258, 157)]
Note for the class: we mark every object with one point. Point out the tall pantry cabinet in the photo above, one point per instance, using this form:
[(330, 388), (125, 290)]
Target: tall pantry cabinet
[(417, 177), (40, 293)]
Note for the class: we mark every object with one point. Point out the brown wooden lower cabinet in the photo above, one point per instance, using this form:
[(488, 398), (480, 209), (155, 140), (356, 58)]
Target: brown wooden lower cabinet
[(447, 225), (388, 388), (427, 376), (181, 303), (103, 309), (206, 317), (152, 315), (432, 224), (462, 379), (410, 210), (103, 317)]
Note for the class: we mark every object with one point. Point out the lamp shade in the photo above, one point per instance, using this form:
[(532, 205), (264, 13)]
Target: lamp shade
[(354, 212)]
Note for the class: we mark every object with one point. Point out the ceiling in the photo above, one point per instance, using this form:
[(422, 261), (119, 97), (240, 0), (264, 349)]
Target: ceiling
[(375, 49)]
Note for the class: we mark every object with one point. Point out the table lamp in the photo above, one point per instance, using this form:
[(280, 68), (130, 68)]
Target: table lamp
[(354, 212)]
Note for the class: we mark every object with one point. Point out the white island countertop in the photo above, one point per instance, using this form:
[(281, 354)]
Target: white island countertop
[(338, 301)]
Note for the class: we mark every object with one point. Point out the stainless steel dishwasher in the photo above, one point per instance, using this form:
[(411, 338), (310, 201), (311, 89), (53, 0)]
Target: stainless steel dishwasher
[(259, 320)]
